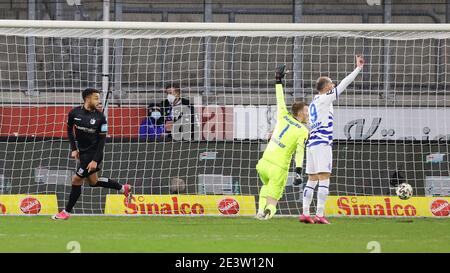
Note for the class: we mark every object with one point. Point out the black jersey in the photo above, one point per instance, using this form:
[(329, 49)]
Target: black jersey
[(90, 129)]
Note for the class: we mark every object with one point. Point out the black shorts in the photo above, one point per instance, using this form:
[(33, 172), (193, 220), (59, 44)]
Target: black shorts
[(85, 159)]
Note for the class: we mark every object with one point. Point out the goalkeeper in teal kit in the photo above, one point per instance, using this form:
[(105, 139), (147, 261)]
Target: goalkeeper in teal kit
[(289, 136)]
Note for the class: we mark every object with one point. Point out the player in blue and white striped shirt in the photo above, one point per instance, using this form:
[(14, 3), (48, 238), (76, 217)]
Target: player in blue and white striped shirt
[(318, 149)]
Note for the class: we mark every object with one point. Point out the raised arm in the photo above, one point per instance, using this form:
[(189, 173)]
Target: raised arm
[(350, 78), (281, 104)]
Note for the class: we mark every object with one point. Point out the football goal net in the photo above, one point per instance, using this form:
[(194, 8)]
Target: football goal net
[(214, 88)]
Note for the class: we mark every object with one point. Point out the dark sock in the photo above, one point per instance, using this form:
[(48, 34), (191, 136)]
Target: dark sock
[(108, 183), (73, 198)]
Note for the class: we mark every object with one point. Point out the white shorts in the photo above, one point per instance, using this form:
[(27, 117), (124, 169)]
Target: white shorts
[(319, 159)]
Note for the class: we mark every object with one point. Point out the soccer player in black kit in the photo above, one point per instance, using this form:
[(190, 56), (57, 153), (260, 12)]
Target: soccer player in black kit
[(90, 134)]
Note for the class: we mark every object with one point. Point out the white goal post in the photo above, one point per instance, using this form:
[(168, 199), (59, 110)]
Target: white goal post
[(391, 125), (190, 26)]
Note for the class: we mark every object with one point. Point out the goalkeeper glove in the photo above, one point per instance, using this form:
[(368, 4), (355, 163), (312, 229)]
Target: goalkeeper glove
[(279, 73), (298, 176)]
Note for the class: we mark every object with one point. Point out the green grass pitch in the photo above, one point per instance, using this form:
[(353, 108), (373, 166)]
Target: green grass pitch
[(221, 234)]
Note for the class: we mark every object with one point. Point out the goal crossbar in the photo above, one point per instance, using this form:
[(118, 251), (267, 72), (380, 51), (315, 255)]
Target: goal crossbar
[(220, 26)]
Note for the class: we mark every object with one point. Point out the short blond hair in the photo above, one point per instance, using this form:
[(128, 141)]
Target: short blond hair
[(297, 107), (322, 82)]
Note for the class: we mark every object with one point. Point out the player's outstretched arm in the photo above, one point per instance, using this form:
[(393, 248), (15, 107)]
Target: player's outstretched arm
[(279, 75), (350, 78)]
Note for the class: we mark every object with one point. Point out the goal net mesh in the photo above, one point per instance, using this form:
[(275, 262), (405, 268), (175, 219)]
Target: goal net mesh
[(391, 124)]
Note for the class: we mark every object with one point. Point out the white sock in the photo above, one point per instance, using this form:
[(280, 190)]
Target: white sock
[(322, 194), (308, 193), (122, 190)]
